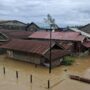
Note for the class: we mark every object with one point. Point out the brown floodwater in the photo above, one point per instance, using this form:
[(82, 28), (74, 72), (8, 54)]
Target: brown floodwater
[(59, 79)]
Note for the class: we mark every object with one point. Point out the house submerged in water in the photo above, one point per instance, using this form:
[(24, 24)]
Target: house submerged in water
[(36, 52), (68, 40)]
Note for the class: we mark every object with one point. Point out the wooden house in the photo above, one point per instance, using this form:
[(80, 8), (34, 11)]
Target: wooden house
[(39, 27), (66, 39), (32, 27), (36, 52)]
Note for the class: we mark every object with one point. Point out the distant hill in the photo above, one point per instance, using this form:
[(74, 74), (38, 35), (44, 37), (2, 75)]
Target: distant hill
[(12, 25), (12, 22), (85, 28)]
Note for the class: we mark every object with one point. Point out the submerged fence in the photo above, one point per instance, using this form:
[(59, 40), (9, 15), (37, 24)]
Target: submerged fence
[(32, 79)]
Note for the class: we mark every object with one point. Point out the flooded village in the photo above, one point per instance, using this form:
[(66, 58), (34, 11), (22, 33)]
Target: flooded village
[(25, 60)]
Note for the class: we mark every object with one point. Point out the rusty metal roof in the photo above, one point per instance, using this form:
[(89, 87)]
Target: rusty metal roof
[(16, 34), (71, 36), (20, 34), (56, 54), (29, 46), (65, 45), (36, 47)]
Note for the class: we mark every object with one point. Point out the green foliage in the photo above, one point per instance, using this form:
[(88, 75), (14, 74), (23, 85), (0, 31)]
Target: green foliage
[(68, 60)]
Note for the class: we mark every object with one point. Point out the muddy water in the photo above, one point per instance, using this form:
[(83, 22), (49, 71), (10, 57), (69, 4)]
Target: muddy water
[(58, 78)]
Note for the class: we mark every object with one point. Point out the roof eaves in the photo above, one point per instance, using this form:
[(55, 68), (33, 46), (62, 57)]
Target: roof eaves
[(59, 56), (48, 49)]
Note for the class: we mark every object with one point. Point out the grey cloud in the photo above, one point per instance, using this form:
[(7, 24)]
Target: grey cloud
[(66, 12)]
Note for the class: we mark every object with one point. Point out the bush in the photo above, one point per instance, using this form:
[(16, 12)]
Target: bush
[(68, 60)]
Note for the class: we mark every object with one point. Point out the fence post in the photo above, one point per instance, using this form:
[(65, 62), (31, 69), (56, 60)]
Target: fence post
[(48, 84), (17, 74), (35, 65), (4, 70), (31, 78)]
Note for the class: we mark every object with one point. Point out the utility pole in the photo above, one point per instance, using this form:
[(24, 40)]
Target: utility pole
[(52, 25), (50, 67)]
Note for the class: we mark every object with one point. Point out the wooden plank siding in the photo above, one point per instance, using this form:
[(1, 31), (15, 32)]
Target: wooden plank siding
[(32, 58)]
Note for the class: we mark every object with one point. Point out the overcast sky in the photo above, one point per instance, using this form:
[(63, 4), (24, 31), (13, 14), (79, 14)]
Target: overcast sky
[(65, 12)]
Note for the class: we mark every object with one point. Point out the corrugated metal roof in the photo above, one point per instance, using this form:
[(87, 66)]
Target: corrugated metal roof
[(56, 54), (16, 34), (35, 47), (72, 36), (29, 46), (21, 34), (66, 45), (83, 33)]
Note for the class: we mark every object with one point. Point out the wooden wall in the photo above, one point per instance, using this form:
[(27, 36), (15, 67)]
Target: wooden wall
[(32, 58)]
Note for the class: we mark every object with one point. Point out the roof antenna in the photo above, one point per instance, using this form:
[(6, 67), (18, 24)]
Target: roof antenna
[(51, 22), (52, 25)]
